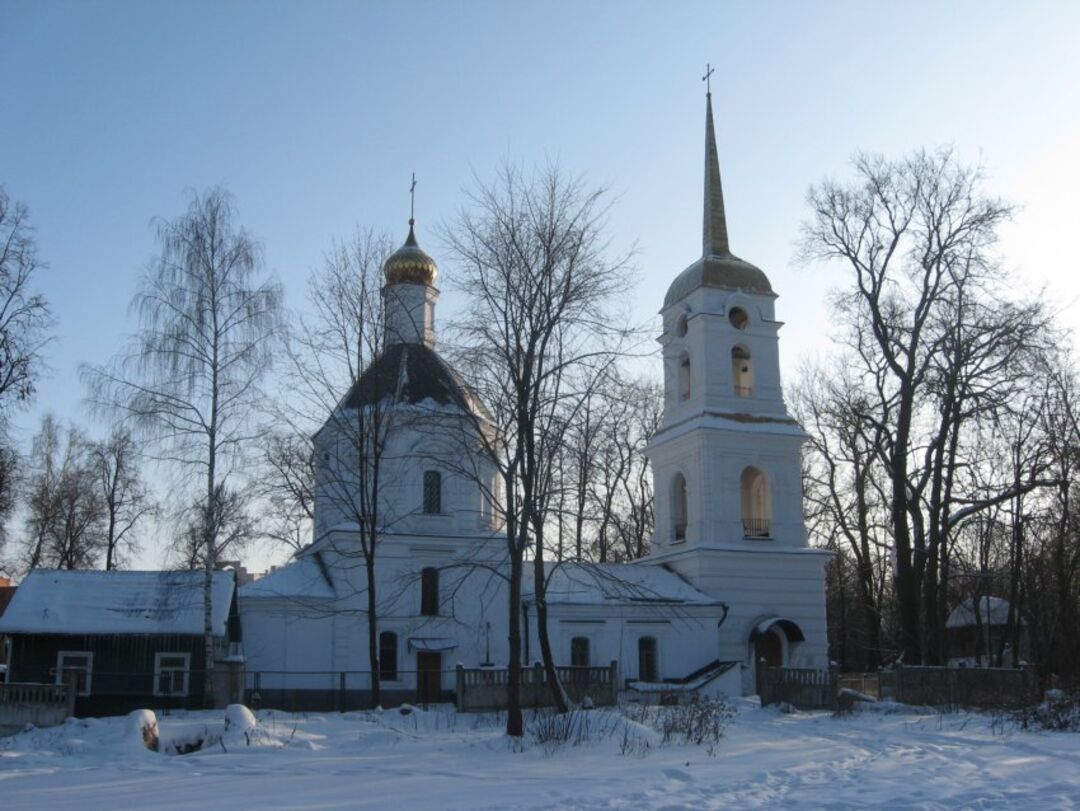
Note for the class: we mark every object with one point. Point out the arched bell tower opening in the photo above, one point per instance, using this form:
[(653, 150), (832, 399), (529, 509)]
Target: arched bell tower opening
[(742, 371), (756, 503), (684, 376)]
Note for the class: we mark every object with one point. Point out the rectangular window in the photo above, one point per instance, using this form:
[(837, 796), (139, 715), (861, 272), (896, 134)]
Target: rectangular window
[(171, 674), (429, 592), (579, 651), (647, 669), (77, 666), (388, 656), (432, 492)]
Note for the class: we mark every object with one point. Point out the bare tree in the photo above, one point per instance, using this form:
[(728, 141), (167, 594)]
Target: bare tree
[(25, 319), (288, 488), (916, 235), (534, 260), (123, 493), (10, 480), (233, 522), (339, 386), (845, 489), (65, 521), (24, 314), (605, 489), (191, 378), (938, 347)]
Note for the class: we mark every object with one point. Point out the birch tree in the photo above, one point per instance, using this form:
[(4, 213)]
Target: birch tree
[(190, 380)]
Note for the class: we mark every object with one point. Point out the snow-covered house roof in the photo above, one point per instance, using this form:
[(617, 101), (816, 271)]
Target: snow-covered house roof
[(81, 602), (614, 583), (304, 577), (992, 611)]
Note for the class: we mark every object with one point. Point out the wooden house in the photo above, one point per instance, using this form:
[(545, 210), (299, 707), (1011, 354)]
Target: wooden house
[(125, 639)]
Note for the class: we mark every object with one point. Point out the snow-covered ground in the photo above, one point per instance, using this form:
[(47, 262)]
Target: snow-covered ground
[(884, 757)]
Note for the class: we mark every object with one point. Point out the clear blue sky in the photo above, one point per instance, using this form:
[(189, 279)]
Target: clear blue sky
[(315, 114)]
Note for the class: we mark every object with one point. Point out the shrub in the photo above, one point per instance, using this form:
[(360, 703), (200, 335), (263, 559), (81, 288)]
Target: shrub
[(578, 726), (1060, 711), (701, 721)]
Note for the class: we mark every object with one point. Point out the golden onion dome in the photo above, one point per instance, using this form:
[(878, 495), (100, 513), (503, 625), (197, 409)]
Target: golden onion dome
[(409, 264)]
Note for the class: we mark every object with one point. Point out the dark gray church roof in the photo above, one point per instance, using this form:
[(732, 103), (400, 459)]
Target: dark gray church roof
[(412, 373)]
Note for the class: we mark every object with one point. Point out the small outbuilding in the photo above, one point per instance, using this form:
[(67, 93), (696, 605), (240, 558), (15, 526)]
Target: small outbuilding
[(125, 639), (978, 631)]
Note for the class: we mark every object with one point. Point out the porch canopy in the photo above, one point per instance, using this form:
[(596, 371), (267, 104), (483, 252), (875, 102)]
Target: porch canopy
[(790, 628)]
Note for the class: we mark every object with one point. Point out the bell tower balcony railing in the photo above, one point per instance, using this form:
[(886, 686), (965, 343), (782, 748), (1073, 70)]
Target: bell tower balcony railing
[(757, 528)]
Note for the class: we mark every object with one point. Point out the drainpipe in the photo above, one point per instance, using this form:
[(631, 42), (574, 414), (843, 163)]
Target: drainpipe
[(723, 618)]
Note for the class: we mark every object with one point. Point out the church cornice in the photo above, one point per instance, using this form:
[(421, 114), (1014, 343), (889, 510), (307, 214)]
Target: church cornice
[(731, 549), (776, 425)]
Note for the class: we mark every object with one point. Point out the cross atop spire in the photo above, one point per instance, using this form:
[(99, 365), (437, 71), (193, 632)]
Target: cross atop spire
[(412, 201), (714, 227), (709, 71)]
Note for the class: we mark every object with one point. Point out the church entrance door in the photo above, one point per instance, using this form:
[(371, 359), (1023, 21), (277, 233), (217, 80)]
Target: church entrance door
[(768, 652), (767, 647), (428, 677)]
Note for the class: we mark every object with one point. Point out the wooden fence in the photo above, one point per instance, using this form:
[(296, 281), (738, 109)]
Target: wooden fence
[(42, 705), (804, 688), (869, 684), (959, 686), (485, 689)]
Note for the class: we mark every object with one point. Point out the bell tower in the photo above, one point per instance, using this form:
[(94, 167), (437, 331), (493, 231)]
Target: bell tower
[(726, 460)]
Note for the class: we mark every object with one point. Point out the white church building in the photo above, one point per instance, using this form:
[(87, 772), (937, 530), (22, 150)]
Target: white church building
[(730, 580)]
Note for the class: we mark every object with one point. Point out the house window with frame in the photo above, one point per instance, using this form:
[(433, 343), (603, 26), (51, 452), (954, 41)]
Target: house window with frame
[(388, 655), (172, 674), (77, 666), (647, 659), (429, 592)]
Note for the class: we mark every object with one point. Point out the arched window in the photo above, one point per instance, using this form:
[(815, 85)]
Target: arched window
[(684, 376), (647, 665), (756, 504), (579, 651), (429, 592), (388, 656), (432, 492), (678, 507), (742, 371)]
